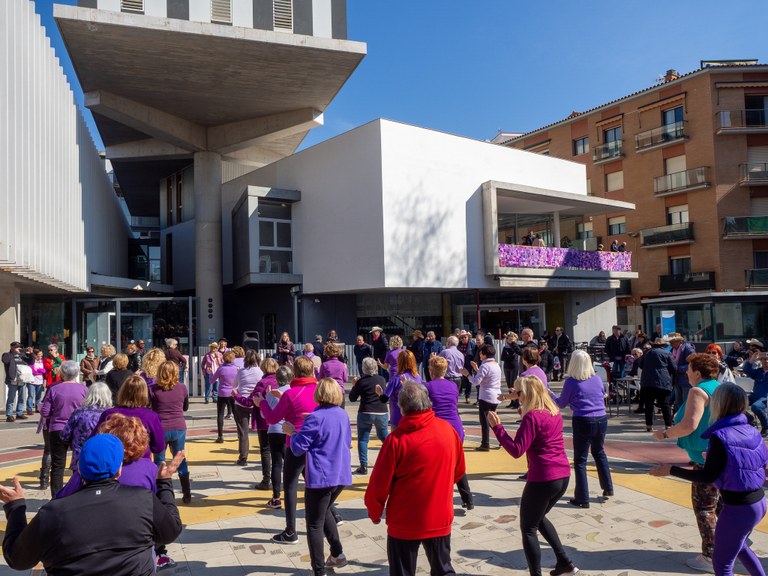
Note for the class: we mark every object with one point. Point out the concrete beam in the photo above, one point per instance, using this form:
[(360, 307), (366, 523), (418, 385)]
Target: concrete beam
[(149, 120), (257, 156), (228, 138), (148, 149)]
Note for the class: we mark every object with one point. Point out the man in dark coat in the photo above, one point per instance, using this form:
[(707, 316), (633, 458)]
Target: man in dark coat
[(659, 369), (380, 346), (616, 348)]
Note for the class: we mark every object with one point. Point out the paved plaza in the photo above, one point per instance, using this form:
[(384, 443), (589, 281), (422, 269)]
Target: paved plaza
[(647, 528)]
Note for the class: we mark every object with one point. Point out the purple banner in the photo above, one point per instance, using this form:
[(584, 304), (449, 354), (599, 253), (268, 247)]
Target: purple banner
[(514, 256)]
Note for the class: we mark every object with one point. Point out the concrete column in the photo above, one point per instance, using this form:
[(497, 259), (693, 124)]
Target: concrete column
[(10, 309), (208, 270), (556, 228)]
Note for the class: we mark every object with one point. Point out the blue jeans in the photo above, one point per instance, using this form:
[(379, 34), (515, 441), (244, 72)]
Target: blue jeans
[(209, 388), (589, 434), (364, 424), (176, 440), (14, 389), (34, 393), (758, 408)]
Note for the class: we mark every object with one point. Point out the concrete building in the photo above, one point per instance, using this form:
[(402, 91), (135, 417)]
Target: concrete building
[(692, 152)]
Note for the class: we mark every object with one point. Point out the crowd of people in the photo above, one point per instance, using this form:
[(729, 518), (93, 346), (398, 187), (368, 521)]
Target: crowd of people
[(118, 415)]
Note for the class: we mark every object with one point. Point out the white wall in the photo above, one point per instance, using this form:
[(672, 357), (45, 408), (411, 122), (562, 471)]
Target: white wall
[(242, 13), (322, 15), (200, 10), (589, 312), (157, 8)]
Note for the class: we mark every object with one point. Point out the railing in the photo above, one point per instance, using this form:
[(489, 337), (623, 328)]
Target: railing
[(754, 172), (745, 226), (607, 151), (660, 135), (756, 277), (742, 119), (687, 282), (514, 256), (666, 234), (680, 181)]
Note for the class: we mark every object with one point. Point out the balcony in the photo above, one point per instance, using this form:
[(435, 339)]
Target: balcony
[(666, 235), (684, 181), (607, 152), (660, 137), (742, 122), (687, 282), (754, 174), (756, 278), (740, 227), (514, 256)]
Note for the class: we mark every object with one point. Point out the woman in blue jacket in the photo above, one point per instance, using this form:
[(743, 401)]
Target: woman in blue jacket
[(326, 438), (735, 464)]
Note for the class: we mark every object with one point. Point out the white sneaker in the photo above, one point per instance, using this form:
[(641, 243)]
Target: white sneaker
[(701, 563), (336, 561)]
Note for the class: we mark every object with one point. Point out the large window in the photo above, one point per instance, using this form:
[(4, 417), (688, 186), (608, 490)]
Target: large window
[(580, 146), (612, 140), (677, 214), (680, 265), (614, 181), (617, 225), (275, 246), (672, 116), (584, 230)]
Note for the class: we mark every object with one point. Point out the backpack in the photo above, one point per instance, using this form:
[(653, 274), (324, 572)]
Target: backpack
[(24, 375)]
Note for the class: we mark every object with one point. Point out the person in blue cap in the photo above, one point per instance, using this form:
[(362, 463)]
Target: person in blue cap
[(126, 521)]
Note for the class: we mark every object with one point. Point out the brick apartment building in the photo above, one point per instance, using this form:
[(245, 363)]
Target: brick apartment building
[(692, 154)]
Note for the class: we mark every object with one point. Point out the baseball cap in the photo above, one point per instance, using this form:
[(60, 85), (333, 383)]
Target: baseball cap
[(101, 457), (15, 344)]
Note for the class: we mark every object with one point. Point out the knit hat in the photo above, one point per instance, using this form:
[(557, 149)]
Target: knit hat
[(101, 457)]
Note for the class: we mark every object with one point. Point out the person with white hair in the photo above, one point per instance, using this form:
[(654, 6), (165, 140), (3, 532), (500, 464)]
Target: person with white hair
[(372, 412)]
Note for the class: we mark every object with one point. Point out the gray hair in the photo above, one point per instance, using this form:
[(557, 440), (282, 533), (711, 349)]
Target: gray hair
[(52, 345), (308, 347), (413, 397), (452, 341), (284, 375), (370, 368), (171, 342), (69, 371), (99, 394)]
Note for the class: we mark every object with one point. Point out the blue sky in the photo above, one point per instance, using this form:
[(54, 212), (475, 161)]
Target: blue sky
[(474, 67)]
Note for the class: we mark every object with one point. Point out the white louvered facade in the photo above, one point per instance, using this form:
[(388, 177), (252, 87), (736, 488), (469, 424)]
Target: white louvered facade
[(60, 219)]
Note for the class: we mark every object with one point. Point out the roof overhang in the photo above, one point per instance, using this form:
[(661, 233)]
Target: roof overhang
[(520, 199)]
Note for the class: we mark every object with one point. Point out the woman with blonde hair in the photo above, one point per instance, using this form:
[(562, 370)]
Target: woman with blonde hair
[(407, 369), (540, 437), (209, 364), (105, 361), (118, 374), (150, 363), (286, 351), (584, 392), (325, 436), (169, 399), (333, 367)]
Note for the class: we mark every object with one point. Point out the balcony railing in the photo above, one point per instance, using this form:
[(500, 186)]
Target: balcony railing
[(607, 151), (687, 282), (741, 226), (681, 181), (514, 256), (757, 277), (667, 234), (754, 173), (742, 121), (661, 135)]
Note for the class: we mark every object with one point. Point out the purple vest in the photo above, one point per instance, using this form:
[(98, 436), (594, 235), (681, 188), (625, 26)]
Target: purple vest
[(747, 455)]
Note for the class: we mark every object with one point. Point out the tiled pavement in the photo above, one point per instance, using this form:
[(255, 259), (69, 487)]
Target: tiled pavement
[(647, 528)]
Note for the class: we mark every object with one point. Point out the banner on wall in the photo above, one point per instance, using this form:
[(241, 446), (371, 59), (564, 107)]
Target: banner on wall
[(667, 322)]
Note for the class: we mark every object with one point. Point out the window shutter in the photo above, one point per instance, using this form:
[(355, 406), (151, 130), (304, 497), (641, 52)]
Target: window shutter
[(132, 5), (614, 181), (283, 10), (221, 11), (757, 154)]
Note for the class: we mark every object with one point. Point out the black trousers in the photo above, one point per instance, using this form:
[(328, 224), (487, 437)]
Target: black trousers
[(652, 394), (402, 555), (243, 424), (45, 464), (223, 402), (265, 453), (58, 460), (537, 500), (485, 429), (277, 454), (293, 466), (320, 522), (464, 491), (466, 385)]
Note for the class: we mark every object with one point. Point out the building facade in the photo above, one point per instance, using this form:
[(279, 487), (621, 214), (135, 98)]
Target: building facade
[(692, 154)]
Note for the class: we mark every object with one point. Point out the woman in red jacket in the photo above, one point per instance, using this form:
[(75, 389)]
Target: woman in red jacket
[(52, 362)]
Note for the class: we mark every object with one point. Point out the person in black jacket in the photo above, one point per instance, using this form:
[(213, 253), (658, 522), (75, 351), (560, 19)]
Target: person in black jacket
[(616, 348), (103, 528), (560, 346), (658, 368), (547, 361), (361, 352), (380, 347), (372, 412)]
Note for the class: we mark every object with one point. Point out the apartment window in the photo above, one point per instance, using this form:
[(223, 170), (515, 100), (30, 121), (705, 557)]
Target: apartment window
[(580, 146), (275, 246), (674, 168), (614, 181), (221, 11), (677, 214), (132, 5), (760, 259), (617, 225), (672, 116), (756, 110), (584, 230), (680, 265), (283, 12), (612, 140)]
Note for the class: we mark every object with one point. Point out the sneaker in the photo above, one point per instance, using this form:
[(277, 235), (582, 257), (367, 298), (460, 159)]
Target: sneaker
[(228, 417), (483, 448), (701, 563), (265, 484), (21, 416), (274, 503), (337, 516), (241, 462), (206, 400), (10, 419), (336, 561), (285, 537), (607, 493), (219, 440), (361, 470), (164, 561), (523, 476), (574, 502), (563, 569), (468, 505)]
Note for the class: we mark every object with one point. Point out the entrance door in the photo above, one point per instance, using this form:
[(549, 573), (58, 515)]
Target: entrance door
[(502, 318)]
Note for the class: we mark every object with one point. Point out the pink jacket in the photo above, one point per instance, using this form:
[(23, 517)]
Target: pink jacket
[(294, 404)]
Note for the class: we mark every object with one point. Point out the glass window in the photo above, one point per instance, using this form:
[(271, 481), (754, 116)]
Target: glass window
[(760, 259), (617, 225), (672, 116), (677, 214), (266, 233), (283, 235), (276, 210), (584, 230), (580, 146), (612, 135), (680, 265)]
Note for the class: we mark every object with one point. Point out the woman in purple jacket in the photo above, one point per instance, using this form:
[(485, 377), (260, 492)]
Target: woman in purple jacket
[(735, 464), (82, 422), (584, 392), (333, 367), (225, 376), (444, 395), (326, 439)]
